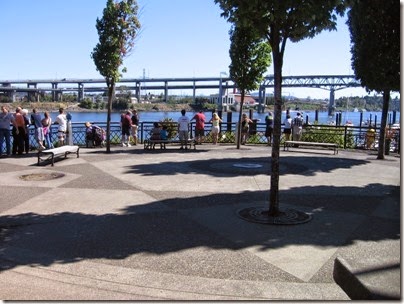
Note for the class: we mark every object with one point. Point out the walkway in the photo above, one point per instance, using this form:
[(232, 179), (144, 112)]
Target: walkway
[(153, 225)]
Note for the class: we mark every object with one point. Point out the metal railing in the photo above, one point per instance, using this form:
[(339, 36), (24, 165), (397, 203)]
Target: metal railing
[(347, 137)]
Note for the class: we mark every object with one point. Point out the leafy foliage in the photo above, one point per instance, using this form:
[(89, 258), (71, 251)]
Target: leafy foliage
[(117, 31), (375, 37), (375, 43), (250, 57)]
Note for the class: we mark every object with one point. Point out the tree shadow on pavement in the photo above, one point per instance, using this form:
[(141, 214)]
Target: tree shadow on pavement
[(147, 236), (308, 166)]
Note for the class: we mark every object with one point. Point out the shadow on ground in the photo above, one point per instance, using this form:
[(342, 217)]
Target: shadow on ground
[(187, 223)]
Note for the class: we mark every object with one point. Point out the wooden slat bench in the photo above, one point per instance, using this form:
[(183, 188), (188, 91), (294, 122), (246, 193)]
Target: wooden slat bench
[(149, 143), (290, 143), (50, 154)]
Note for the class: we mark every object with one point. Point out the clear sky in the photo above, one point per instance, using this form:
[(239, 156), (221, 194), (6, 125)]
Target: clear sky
[(53, 39)]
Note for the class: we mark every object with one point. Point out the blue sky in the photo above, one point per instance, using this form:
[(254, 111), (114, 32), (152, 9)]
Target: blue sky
[(48, 39)]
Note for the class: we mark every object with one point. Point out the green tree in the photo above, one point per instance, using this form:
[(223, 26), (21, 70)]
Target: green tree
[(375, 39), (250, 58), (117, 31), (279, 21)]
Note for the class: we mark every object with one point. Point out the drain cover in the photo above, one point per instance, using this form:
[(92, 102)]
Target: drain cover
[(41, 176)]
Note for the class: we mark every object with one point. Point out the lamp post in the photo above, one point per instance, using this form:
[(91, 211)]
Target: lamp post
[(220, 103)]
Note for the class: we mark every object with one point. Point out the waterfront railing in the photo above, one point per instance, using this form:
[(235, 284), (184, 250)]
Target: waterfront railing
[(347, 137)]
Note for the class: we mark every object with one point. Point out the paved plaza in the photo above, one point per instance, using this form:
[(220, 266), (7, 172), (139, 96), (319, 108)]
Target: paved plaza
[(164, 225)]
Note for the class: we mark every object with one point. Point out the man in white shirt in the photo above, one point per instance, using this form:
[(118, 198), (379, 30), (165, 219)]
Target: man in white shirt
[(183, 127), (61, 120)]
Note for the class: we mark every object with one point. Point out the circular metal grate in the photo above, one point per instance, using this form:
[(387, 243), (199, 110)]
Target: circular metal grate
[(261, 215), (41, 176)]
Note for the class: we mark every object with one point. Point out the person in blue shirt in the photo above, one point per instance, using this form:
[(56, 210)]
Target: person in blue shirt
[(164, 135)]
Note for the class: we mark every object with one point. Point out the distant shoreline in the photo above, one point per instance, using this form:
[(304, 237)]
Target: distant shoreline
[(74, 107)]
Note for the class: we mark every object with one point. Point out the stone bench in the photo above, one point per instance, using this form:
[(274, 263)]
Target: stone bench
[(291, 143), (50, 154)]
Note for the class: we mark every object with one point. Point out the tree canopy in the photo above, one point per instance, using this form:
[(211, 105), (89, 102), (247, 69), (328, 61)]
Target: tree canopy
[(117, 31), (250, 58), (375, 43), (375, 48)]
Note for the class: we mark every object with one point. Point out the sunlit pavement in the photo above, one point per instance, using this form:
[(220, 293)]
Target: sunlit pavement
[(164, 225)]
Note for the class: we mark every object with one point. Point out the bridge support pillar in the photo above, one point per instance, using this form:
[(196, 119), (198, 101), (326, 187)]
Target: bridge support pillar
[(32, 95), (166, 91), (80, 95), (331, 106), (55, 93)]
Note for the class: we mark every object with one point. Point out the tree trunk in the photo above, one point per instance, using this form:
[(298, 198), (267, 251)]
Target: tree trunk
[(111, 89), (383, 124), (274, 190), (239, 119)]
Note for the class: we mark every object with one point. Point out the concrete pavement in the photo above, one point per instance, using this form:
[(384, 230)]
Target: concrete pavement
[(163, 225)]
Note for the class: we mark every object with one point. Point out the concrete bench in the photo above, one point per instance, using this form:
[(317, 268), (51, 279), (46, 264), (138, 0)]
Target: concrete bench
[(50, 154), (150, 143), (291, 143)]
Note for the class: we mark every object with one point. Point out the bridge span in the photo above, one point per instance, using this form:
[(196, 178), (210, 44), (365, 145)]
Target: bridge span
[(57, 87)]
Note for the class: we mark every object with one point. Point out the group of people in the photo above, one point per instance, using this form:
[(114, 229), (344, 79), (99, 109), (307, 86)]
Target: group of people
[(20, 123), (129, 127), (294, 127)]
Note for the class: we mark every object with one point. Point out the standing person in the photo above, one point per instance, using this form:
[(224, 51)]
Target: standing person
[(297, 127), (245, 128), (6, 119), (61, 120), (18, 132), (46, 126), (135, 126), (37, 122), (269, 122), (183, 129), (215, 120), (199, 127), (126, 123), (26, 136), (287, 129)]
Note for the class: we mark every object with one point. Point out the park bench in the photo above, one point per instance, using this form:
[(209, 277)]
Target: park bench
[(290, 143), (50, 154), (150, 143)]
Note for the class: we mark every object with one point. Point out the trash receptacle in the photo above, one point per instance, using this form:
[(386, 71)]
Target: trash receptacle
[(253, 127), (387, 144)]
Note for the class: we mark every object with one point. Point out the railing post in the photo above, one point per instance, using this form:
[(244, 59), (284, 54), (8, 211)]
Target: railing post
[(141, 132), (345, 135)]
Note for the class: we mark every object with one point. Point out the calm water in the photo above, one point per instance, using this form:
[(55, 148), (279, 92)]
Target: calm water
[(354, 117)]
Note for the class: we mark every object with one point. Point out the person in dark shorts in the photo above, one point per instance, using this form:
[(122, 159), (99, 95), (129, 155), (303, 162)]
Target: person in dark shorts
[(199, 127), (287, 129)]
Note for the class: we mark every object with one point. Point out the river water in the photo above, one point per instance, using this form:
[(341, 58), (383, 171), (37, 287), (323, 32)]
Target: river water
[(354, 117)]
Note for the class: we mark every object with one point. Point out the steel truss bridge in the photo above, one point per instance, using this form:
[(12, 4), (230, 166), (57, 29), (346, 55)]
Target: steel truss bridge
[(57, 87)]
